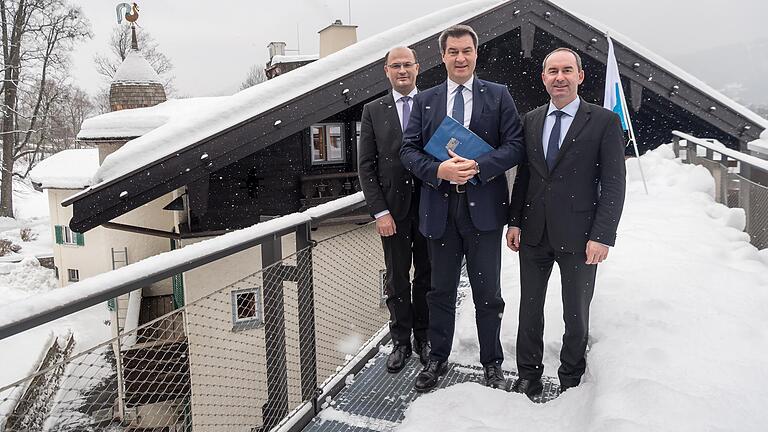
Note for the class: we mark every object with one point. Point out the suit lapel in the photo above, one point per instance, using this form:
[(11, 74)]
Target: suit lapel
[(582, 118), (440, 102), (536, 150), (478, 100), (390, 108)]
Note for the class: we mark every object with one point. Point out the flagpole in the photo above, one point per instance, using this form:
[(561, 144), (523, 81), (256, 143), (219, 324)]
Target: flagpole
[(630, 129)]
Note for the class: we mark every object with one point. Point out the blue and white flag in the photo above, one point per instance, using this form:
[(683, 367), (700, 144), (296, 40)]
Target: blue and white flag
[(614, 94)]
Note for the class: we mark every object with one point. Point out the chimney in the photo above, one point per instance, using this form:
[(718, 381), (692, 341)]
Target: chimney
[(276, 48), (335, 37)]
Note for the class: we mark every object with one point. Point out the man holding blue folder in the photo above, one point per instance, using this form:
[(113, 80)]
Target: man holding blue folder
[(464, 201)]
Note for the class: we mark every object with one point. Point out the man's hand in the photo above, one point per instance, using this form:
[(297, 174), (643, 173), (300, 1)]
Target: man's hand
[(513, 238), (457, 169), (385, 225), (596, 252)]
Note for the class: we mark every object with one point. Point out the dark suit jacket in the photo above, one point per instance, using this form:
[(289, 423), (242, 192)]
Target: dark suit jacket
[(495, 119), (385, 183), (582, 198)]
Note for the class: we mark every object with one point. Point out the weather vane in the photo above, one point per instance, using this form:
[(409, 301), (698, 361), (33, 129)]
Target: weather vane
[(122, 12)]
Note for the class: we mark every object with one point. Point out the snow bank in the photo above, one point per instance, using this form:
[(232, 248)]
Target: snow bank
[(678, 336)]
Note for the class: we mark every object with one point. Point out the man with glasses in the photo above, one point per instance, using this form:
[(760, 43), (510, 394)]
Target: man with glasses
[(392, 195), (461, 218)]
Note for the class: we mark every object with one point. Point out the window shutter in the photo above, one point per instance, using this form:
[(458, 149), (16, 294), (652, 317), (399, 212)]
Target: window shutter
[(80, 237), (59, 234), (178, 291), (178, 285)]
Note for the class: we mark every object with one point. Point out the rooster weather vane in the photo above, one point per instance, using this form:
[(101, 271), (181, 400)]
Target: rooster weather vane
[(123, 10)]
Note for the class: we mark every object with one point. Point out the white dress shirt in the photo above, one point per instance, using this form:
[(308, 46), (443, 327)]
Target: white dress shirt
[(399, 103), (467, 92), (565, 122)]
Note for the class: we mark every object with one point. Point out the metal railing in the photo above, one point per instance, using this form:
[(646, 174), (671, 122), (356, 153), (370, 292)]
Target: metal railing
[(741, 180), (276, 334)]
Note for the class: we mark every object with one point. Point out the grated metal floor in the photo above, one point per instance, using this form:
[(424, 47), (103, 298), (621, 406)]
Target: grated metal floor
[(376, 401)]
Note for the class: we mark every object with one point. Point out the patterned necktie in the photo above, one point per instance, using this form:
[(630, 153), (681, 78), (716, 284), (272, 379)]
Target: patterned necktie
[(406, 111), (458, 105), (553, 147)]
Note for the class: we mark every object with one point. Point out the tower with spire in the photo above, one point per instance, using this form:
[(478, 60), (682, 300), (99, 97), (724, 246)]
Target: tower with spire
[(135, 84)]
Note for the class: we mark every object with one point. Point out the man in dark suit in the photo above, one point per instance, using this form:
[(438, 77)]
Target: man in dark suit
[(565, 207), (392, 197), (461, 219)]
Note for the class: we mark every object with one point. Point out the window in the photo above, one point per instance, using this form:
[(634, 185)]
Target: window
[(64, 235), (327, 143), (247, 308), (73, 275), (358, 126)]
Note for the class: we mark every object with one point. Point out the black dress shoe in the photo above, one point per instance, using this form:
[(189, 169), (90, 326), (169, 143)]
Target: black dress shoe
[(423, 349), (397, 358), (564, 387), (494, 377), (428, 377), (530, 388)]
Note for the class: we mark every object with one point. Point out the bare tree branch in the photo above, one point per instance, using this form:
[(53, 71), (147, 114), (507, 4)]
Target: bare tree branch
[(256, 74)]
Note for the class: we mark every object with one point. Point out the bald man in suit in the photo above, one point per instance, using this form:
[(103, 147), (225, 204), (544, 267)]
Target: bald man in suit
[(392, 195)]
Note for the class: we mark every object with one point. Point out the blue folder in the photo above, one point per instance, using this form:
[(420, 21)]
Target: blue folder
[(462, 141)]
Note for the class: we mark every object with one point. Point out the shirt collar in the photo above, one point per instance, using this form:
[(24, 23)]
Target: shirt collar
[(468, 85), (397, 95), (569, 109)]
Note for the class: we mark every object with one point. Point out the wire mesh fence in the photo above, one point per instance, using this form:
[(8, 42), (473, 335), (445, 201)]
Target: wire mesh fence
[(753, 198), (734, 187), (237, 358)]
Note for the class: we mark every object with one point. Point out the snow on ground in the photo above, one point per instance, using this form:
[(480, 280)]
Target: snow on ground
[(31, 211), (679, 333), (21, 276)]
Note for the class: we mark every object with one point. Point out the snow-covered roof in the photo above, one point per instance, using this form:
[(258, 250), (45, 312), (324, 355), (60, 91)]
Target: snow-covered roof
[(136, 69), (293, 58), (227, 112), (67, 169), (246, 104), (132, 123), (673, 69)]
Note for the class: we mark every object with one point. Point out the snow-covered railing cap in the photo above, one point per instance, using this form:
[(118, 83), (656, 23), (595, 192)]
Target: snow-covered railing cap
[(32, 312), (719, 147)]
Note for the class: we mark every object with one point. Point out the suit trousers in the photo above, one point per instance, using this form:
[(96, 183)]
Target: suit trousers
[(407, 307), (578, 284), (482, 250)]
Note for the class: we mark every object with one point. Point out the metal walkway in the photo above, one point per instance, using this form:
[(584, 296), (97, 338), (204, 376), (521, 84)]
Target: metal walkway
[(376, 401)]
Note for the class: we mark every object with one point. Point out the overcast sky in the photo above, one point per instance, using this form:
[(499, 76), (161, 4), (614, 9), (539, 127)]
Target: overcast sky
[(213, 44)]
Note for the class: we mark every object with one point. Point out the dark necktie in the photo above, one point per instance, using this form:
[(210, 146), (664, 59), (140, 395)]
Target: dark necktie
[(406, 111), (553, 147), (458, 105)]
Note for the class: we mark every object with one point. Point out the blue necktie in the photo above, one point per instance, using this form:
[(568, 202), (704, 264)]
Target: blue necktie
[(458, 105), (406, 111), (553, 147)]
